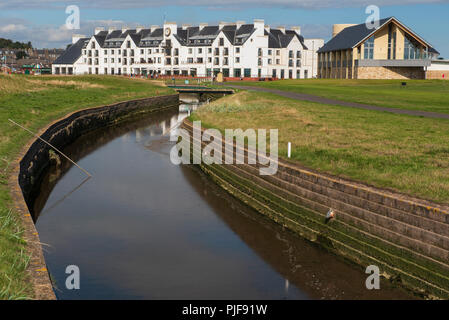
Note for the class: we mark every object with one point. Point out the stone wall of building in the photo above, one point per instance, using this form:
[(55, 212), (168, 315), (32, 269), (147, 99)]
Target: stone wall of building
[(390, 73), (440, 75)]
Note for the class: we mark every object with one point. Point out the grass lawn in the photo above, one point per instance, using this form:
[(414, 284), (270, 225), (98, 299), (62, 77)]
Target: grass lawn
[(404, 153), (34, 102), (424, 95)]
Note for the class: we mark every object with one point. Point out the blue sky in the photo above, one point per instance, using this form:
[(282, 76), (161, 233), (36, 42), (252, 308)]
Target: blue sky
[(43, 21)]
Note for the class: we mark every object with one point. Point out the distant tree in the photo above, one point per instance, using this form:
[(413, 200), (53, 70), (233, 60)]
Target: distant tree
[(9, 44), (21, 55)]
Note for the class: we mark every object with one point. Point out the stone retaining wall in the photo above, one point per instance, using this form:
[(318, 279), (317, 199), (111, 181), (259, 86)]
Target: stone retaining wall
[(407, 238), (34, 159)]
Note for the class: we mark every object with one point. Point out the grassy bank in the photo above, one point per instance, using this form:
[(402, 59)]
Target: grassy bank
[(34, 102), (404, 153), (424, 95)]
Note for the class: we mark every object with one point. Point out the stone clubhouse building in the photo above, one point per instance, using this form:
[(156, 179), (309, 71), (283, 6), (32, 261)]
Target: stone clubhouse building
[(392, 51), (237, 50)]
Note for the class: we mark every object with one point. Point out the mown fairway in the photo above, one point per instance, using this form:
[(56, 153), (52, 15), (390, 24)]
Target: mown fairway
[(424, 95), (404, 153), (34, 102)]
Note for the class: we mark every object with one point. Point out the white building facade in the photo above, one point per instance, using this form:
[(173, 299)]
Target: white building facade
[(235, 49)]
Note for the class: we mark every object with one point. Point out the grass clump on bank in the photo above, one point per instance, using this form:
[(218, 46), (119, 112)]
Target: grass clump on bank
[(34, 102), (403, 153), (424, 95)]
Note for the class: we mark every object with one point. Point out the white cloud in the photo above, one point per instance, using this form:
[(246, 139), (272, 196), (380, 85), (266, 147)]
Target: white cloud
[(12, 28), (120, 4), (50, 36)]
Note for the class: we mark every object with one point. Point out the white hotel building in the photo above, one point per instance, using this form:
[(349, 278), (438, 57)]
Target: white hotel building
[(235, 49)]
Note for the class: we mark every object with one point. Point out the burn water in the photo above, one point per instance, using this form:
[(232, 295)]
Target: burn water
[(144, 228)]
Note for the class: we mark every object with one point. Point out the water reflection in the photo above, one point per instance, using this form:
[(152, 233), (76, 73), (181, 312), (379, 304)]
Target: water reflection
[(143, 228)]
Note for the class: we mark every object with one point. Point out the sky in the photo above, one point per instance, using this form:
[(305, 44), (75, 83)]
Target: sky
[(43, 22)]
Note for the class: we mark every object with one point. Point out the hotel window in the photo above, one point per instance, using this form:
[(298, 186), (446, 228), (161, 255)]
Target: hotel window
[(290, 54), (216, 61), (190, 50), (209, 60), (141, 51), (259, 62), (298, 54), (128, 44), (189, 60), (176, 51), (209, 50), (225, 61), (270, 61), (237, 50), (159, 60), (411, 49), (278, 61), (112, 60), (149, 51), (221, 41), (278, 52), (105, 52), (237, 59), (217, 51), (290, 63), (226, 51), (298, 63), (369, 49), (247, 73), (105, 60), (200, 50), (270, 52), (259, 52)]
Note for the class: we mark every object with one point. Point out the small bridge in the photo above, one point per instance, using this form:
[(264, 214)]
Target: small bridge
[(201, 90)]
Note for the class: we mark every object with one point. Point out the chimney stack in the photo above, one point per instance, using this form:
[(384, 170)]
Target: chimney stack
[(76, 37), (297, 29), (98, 30)]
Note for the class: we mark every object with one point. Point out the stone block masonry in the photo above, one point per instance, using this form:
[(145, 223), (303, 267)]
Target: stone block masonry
[(407, 238), (390, 73)]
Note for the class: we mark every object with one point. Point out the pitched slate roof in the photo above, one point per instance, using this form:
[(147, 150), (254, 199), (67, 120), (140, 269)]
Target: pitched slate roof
[(349, 37), (277, 39), (72, 53)]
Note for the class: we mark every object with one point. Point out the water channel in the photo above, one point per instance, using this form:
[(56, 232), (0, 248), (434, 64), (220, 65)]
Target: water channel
[(143, 228)]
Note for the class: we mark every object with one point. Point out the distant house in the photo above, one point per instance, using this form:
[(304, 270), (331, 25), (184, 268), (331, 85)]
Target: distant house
[(392, 51), (439, 69)]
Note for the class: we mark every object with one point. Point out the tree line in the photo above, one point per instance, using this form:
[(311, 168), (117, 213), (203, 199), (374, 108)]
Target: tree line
[(9, 44)]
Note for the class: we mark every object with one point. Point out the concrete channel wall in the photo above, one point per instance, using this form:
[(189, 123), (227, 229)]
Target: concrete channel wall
[(35, 158), (408, 239)]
